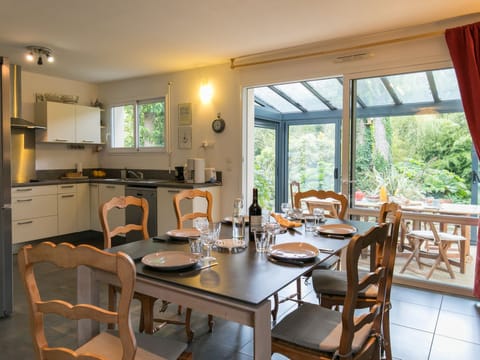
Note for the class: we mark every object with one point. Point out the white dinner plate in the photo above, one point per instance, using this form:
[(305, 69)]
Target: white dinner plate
[(230, 244), (294, 250), (170, 260), (337, 229), (183, 233)]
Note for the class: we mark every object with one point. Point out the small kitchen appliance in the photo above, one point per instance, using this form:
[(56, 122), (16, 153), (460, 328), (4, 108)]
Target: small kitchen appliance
[(195, 171)]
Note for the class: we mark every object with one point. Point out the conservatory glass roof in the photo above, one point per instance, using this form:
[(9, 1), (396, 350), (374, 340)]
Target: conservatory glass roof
[(402, 94)]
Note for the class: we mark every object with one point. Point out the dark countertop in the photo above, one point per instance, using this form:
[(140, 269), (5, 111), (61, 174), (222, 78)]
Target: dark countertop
[(153, 183)]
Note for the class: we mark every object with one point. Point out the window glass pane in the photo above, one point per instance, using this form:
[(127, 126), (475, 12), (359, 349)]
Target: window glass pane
[(411, 88), (330, 89), (446, 82), (311, 155), (275, 100), (302, 96), (265, 165), (416, 157), (151, 116), (123, 127), (373, 93)]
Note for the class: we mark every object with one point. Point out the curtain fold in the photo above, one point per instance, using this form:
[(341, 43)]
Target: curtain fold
[(464, 45)]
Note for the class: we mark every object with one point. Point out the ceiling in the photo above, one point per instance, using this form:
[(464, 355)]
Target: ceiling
[(97, 41)]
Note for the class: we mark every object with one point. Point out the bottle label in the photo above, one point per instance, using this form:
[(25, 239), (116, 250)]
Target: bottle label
[(255, 222)]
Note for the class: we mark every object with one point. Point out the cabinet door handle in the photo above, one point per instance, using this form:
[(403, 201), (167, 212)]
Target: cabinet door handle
[(23, 200), (68, 196), (173, 191), (25, 222), (61, 140), (93, 185), (110, 186), (66, 186), (87, 141), (23, 189)]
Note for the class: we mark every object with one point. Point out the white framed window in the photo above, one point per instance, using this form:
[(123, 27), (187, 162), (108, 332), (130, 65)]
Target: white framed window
[(138, 126)]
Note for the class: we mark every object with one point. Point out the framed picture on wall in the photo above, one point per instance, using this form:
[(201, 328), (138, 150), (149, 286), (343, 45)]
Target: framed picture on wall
[(185, 114)]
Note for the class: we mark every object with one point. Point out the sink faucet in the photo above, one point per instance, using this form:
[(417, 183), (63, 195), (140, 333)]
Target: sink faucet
[(136, 174)]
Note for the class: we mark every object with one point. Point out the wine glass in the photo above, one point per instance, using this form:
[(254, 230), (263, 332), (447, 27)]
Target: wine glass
[(210, 237), (201, 224), (286, 208), (319, 215)]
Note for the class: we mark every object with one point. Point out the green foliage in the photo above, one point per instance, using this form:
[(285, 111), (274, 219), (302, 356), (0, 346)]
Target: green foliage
[(430, 157)]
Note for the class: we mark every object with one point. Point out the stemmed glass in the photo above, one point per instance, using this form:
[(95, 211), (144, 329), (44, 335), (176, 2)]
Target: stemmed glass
[(319, 215), (286, 208), (210, 237)]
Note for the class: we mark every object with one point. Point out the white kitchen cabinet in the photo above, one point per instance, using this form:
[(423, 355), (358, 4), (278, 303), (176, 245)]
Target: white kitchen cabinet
[(83, 207), (34, 213), (116, 217), (67, 208), (68, 123), (59, 119), (87, 125), (166, 218)]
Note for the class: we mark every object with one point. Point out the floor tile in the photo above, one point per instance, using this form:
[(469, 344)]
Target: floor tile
[(444, 348), (460, 305), (416, 296), (414, 316), (459, 326), (410, 344)]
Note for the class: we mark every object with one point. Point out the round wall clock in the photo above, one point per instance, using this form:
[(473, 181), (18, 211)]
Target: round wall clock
[(218, 125)]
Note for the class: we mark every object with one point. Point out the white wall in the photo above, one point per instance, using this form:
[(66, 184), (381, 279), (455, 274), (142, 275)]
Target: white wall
[(225, 154), (57, 156)]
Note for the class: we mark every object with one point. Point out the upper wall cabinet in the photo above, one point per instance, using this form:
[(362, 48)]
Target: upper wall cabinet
[(68, 123)]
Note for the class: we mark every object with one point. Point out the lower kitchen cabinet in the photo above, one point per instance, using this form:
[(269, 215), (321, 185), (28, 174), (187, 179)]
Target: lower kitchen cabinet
[(166, 218), (83, 207), (34, 213), (67, 208)]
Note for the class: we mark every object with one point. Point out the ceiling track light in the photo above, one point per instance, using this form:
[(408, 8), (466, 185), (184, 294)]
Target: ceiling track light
[(38, 53)]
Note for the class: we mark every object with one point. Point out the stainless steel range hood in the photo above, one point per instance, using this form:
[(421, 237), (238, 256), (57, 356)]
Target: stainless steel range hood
[(17, 121)]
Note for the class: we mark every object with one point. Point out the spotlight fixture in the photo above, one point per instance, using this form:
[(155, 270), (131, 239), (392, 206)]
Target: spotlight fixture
[(38, 53)]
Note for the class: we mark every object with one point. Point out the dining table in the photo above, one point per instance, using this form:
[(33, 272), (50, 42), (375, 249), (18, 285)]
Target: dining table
[(237, 288)]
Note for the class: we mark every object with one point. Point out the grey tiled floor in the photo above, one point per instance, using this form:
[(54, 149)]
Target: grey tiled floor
[(424, 325)]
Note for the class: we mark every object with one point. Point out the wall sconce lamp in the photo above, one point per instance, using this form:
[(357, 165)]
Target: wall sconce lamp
[(38, 53), (206, 93)]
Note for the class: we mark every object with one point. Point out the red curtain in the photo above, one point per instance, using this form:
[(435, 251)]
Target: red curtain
[(464, 46)]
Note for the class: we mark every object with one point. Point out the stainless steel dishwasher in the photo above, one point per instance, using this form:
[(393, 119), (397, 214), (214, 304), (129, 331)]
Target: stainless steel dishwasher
[(133, 214)]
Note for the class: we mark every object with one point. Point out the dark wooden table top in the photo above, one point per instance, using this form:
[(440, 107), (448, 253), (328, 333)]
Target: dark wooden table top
[(246, 275)]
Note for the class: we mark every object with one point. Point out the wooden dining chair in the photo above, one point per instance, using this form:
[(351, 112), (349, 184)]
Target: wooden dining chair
[(178, 199), (123, 345), (315, 332), (193, 195), (294, 188), (334, 260), (334, 203), (438, 243), (331, 286), (147, 302)]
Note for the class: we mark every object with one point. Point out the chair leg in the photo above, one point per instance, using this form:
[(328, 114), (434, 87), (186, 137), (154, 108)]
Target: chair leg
[(188, 329), (387, 346), (275, 307), (146, 315), (112, 302), (211, 323)]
